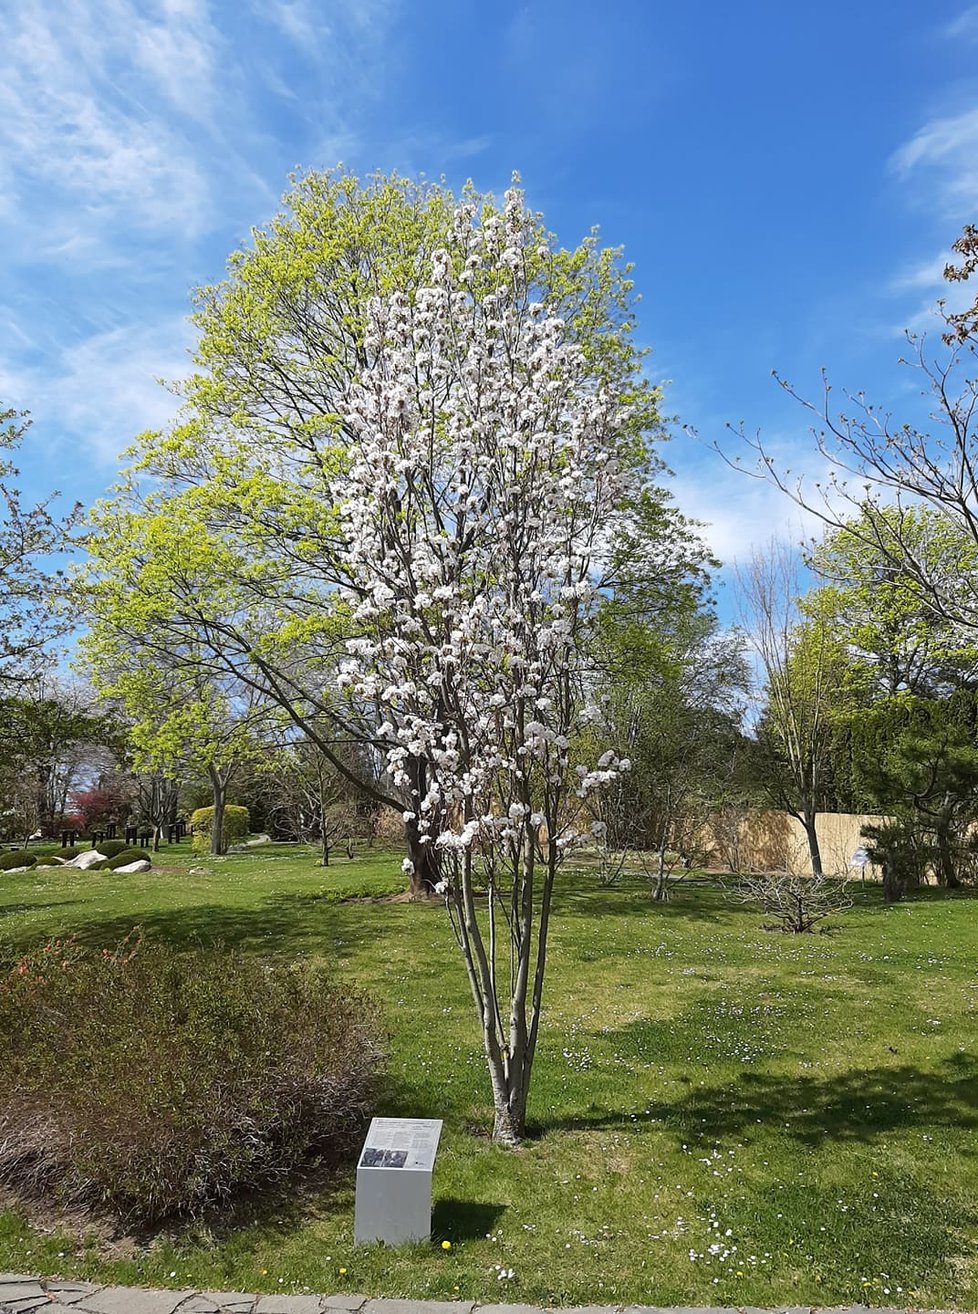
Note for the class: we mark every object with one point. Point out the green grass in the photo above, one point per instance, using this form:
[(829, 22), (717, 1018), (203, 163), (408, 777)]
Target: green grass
[(807, 1105)]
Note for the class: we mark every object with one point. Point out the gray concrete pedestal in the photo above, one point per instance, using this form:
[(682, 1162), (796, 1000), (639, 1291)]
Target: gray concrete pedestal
[(393, 1202)]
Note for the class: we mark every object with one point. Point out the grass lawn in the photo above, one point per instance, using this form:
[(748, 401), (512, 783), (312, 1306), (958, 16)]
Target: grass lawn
[(721, 1115)]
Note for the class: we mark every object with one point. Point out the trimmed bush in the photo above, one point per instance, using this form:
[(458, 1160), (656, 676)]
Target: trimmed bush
[(156, 1084), (236, 823), (110, 848), (50, 861), (124, 858), (17, 858)]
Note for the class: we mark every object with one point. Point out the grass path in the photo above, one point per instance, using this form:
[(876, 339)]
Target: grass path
[(721, 1115)]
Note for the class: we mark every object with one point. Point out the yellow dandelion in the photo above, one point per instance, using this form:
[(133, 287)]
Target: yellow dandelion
[(446, 1245)]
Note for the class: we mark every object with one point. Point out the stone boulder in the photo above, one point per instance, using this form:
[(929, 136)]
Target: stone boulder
[(141, 864), (87, 859)]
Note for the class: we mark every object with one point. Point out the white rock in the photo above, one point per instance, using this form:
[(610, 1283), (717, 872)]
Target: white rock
[(141, 864), (87, 859), (12, 871)]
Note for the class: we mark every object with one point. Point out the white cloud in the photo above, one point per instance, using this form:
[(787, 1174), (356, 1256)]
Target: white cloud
[(740, 513), (179, 53), (942, 159), (964, 27), (742, 509), (105, 389), (925, 274), (68, 123)]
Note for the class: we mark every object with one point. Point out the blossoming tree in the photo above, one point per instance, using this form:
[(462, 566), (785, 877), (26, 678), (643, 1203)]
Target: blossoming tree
[(225, 544), (489, 482)]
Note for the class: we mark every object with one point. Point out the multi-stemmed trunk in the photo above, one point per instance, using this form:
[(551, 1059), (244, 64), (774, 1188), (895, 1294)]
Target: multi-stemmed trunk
[(509, 1026)]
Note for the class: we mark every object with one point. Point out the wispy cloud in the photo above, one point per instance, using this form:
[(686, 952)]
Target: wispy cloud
[(964, 27), (942, 157), (104, 389), (139, 141), (69, 123)]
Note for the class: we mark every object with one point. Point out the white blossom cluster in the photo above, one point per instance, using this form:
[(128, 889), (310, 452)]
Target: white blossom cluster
[(482, 489)]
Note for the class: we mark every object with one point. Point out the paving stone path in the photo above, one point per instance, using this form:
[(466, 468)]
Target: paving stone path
[(23, 1295)]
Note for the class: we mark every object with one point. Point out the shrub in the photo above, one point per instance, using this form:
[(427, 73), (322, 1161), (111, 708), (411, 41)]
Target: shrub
[(901, 853), (797, 903), (111, 848), (124, 858), (17, 858), (156, 1084), (235, 826), (50, 861)]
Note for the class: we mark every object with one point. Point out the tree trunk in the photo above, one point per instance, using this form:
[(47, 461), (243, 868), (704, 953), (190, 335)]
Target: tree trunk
[(325, 849), (946, 874), (425, 873), (219, 795), (892, 885), (509, 1122), (808, 821)]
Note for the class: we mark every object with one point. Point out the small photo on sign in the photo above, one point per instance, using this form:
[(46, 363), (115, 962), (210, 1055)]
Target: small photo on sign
[(373, 1158)]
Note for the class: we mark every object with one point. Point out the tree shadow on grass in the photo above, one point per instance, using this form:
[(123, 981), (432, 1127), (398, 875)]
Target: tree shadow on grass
[(852, 1107), (464, 1220), (273, 927), (687, 903), (13, 909)]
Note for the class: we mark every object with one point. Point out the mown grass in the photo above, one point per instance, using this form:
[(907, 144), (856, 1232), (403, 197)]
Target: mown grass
[(805, 1105)]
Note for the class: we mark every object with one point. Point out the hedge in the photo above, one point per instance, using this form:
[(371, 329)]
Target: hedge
[(17, 858), (111, 848), (235, 827), (124, 858)]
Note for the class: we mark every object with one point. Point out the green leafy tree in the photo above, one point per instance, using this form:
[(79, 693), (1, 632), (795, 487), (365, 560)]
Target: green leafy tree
[(923, 773), (806, 671), (223, 541), (673, 703), (894, 639), (52, 737), (182, 722)]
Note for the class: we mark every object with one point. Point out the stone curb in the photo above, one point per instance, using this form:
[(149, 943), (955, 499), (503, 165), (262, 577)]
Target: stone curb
[(23, 1294)]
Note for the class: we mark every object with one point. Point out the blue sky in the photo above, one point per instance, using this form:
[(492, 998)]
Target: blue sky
[(787, 179)]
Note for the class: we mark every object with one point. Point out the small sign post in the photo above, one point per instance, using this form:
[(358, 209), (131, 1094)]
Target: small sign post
[(394, 1181)]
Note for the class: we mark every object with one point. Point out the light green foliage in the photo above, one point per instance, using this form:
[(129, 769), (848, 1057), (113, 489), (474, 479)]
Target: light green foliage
[(217, 553), (806, 670), (672, 698), (894, 639), (235, 826)]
